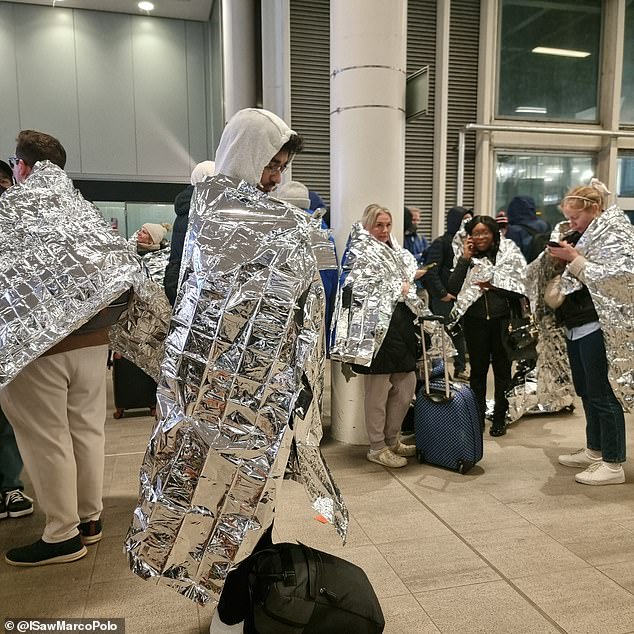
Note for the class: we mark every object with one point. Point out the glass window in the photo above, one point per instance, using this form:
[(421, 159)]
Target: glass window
[(549, 59), (544, 177), (627, 86)]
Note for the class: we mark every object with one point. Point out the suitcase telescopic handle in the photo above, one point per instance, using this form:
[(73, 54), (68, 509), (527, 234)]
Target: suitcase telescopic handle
[(428, 392)]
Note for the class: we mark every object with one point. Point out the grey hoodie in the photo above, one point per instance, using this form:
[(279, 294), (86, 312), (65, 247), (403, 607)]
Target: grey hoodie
[(251, 138)]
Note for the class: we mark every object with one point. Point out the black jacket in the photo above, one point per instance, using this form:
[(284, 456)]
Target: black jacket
[(437, 278), (577, 309), (398, 352), (493, 304), (181, 207)]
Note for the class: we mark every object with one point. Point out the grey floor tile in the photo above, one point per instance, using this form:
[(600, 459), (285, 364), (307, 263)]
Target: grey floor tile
[(405, 614), (146, 607), (489, 608), (522, 551), (439, 562), (582, 601)]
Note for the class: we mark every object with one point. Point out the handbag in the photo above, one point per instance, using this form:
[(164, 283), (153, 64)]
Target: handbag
[(520, 332), (296, 589)]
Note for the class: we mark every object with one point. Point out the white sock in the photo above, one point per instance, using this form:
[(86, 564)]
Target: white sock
[(218, 627), (593, 453), (615, 466)]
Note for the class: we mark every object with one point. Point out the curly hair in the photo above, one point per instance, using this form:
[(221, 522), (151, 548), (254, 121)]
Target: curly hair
[(490, 223)]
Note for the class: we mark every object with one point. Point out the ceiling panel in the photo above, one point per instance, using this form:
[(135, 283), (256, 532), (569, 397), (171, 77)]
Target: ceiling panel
[(181, 9)]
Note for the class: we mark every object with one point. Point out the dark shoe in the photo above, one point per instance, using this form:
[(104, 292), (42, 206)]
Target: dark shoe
[(3, 508), (90, 532), (18, 504), (42, 553), (497, 430)]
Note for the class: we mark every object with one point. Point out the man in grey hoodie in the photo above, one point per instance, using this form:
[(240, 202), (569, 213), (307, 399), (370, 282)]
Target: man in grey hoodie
[(256, 146)]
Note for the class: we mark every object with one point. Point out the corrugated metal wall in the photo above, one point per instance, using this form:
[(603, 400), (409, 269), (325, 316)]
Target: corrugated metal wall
[(310, 97)]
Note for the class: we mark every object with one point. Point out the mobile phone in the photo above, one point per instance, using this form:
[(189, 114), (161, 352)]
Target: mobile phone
[(431, 265), (553, 244)]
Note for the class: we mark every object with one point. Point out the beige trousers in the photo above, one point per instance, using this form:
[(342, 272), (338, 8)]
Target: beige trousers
[(57, 407), (387, 397)]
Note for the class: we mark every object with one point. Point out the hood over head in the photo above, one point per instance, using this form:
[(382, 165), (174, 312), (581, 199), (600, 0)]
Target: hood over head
[(251, 138), (520, 210), (454, 219), (295, 193), (315, 201), (202, 171)]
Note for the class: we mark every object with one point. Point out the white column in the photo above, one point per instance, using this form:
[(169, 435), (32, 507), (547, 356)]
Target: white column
[(368, 44), (239, 75)]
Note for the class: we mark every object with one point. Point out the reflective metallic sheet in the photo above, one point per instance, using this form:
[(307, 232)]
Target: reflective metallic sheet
[(508, 273), (608, 247), (60, 264), (548, 387), (239, 395), (375, 277)]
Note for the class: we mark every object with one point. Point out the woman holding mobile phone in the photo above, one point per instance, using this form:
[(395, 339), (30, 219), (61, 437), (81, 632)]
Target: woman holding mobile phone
[(487, 277), (597, 309)]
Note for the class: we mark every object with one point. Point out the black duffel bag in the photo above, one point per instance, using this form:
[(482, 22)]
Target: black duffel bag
[(299, 590)]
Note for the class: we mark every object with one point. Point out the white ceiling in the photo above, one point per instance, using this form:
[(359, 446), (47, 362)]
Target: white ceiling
[(180, 9)]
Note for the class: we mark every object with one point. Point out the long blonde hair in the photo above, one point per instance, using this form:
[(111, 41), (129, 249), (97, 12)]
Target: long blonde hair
[(371, 213), (583, 196)]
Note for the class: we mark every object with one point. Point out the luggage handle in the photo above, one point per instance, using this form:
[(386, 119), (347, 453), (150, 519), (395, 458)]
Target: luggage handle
[(428, 393)]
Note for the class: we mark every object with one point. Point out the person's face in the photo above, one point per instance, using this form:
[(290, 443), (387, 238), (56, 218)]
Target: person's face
[(415, 217), (382, 228), (580, 218), (482, 237), (272, 173), (5, 181), (143, 237)]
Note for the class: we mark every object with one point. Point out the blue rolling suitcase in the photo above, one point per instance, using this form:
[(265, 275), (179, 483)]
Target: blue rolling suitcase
[(446, 420)]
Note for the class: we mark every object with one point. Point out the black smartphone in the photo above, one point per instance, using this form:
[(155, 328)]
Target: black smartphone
[(556, 245)]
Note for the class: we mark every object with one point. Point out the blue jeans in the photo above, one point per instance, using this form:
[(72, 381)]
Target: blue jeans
[(10, 459), (605, 421)]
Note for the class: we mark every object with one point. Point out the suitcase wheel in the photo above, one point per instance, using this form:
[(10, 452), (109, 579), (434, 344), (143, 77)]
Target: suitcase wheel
[(118, 413), (419, 456), (569, 408), (465, 465)]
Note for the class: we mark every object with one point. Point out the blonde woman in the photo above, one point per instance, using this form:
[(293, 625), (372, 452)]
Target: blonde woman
[(379, 275), (596, 308)]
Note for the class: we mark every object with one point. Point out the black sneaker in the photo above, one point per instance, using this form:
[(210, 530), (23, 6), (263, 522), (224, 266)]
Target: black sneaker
[(17, 503), (90, 532), (42, 553), (3, 508)]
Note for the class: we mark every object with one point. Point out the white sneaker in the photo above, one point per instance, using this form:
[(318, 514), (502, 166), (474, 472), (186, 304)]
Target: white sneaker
[(400, 449), (600, 473), (387, 458), (578, 458)]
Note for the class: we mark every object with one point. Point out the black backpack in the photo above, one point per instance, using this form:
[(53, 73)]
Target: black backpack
[(300, 590), (538, 243)]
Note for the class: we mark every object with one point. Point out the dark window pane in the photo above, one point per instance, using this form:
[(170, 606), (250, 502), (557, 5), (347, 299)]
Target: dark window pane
[(627, 87), (561, 82)]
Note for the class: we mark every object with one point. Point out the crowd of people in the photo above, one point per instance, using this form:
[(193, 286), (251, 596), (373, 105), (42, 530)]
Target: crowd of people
[(472, 275)]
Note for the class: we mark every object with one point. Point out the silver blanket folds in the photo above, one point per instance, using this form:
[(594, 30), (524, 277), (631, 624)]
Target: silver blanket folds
[(60, 264), (508, 273), (239, 395), (548, 387), (608, 247), (373, 285)]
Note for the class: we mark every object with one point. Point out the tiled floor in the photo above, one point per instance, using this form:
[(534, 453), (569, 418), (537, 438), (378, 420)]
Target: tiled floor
[(515, 546)]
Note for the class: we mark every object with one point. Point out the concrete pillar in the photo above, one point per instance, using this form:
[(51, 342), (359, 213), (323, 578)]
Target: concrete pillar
[(368, 44), (239, 55)]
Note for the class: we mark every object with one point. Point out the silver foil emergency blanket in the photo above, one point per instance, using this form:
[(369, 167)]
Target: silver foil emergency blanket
[(60, 264), (608, 247), (548, 387), (155, 261), (239, 395), (508, 273), (368, 295)]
